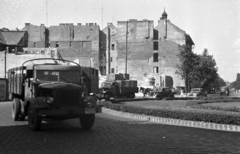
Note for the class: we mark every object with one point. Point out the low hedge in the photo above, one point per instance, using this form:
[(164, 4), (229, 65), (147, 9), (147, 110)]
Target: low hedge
[(198, 104), (195, 112)]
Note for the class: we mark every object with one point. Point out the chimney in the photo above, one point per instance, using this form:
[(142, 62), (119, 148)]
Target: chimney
[(27, 24), (79, 24)]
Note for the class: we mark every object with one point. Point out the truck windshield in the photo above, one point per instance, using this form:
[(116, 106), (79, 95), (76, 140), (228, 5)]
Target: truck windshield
[(65, 76)]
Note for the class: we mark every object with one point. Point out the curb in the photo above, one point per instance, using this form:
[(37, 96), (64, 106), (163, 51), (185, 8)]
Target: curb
[(176, 122)]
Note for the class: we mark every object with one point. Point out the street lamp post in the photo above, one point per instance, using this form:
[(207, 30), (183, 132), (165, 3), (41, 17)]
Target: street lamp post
[(5, 63)]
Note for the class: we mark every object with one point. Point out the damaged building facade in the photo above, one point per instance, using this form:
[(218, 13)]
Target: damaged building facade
[(151, 51)]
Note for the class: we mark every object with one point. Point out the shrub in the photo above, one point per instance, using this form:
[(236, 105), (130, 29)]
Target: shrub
[(197, 113)]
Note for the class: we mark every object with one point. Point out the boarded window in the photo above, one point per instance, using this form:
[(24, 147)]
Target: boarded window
[(155, 57)]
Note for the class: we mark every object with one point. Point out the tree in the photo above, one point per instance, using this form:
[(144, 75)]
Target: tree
[(236, 84), (188, 61), (206, 70), (218, 83), (198, 70)]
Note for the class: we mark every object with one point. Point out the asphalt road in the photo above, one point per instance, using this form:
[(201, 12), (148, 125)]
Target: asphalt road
[(110, 135)]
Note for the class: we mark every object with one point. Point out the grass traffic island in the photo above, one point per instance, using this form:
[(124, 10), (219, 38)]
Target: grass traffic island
[(220, 110)]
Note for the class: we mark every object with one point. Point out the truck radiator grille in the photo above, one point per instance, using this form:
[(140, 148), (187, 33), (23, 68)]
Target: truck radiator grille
[(67, 98)]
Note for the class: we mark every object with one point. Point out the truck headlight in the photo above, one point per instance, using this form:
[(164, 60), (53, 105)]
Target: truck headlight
[(49, 100)]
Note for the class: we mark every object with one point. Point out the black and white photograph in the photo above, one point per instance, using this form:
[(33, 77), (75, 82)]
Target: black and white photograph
[(119, 77)]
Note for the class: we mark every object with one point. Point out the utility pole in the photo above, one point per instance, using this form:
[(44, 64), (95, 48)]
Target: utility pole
[(102, 16), (108, 48), (5, 63), (126, 48), (46, 13)]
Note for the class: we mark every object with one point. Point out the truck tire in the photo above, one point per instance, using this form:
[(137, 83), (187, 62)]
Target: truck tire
[(16, 109), (87, 121), (34, 120)]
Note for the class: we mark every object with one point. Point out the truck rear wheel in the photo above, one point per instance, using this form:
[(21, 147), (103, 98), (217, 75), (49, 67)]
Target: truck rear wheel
[(87, 121), (16, 109), (34, 120)]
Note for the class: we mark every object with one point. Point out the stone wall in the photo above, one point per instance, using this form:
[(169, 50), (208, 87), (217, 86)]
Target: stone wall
[(138, 31), (75, 41), (36, 35), (168, 31)]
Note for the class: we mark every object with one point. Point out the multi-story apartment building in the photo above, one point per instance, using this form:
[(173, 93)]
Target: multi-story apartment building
[(146, 52)]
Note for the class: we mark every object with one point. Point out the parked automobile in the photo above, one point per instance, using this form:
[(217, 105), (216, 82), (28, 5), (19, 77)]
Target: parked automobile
[(195, 92), (161, 92), (224, 91)]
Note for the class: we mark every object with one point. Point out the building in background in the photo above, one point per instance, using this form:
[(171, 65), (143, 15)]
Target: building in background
[(37, 36), (14, 40), (108, 53), (151, 52)]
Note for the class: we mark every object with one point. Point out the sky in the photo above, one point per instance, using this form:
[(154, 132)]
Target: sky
[(212, 24)]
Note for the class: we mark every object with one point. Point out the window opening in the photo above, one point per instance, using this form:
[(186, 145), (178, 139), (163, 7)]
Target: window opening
[(155, 57)]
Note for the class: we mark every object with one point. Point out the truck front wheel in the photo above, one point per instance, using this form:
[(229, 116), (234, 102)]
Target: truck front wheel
[(34, 120), (16, 109), (87, 121)]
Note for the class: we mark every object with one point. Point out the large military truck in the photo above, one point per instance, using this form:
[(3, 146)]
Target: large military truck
[(118, 86), (57, 90)]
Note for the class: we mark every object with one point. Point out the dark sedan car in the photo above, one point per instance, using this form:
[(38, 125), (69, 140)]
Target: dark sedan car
[(195, 92), (162, 92)]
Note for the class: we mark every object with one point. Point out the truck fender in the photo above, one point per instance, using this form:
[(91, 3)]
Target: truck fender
[(13, 95), (32, 101)]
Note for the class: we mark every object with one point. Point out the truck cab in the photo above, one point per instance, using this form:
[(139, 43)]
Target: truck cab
[(53, 91)]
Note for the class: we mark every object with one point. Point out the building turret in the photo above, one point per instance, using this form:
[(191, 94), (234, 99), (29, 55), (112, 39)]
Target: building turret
[(164, 15)]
